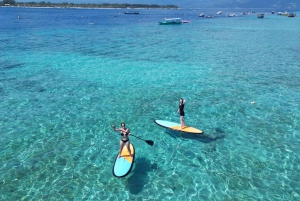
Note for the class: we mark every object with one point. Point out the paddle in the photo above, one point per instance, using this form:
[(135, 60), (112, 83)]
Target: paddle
[(150, 142)]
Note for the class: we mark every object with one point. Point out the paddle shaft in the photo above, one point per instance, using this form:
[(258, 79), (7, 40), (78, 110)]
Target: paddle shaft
[(150, 142), (137, 137)]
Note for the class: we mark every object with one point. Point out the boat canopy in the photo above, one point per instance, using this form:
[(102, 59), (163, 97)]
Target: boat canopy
[(172, 19)]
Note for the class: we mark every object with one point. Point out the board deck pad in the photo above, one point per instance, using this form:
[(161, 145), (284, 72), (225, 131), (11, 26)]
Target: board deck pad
[(176, 127), (124, 163)]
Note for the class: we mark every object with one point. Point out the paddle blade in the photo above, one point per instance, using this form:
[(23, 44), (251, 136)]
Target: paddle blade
[(150, 142)]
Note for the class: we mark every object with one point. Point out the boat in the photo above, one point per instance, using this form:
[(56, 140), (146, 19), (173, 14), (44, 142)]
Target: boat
[(231, 15), (260, 15), (272, 12), (135, 12), (283, 14), (168, 21), (245, 13), (202, 15), (292, 15), (219, 13), (209, 16), (186, 21)]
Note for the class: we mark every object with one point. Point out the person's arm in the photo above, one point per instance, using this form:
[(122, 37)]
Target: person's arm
[(114, 127), (127, 131), (183, 101)]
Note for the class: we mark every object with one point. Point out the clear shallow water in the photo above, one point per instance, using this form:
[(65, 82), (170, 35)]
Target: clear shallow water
[(67, 75)]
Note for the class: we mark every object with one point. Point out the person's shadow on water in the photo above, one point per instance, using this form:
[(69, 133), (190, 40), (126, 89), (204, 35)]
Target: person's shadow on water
[(214, 135), (139, 178)]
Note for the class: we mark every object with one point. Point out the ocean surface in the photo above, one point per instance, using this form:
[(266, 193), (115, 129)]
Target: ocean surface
[(67, 75)]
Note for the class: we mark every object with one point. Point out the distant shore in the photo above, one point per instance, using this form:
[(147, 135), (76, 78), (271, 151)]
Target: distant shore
[(81, 7), (101, 6)]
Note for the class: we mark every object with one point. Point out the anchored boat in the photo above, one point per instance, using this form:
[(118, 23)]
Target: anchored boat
[(168, 21)]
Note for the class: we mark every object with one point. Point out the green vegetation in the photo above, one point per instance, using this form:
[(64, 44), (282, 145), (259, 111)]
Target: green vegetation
[(10, 2), (83, 5)]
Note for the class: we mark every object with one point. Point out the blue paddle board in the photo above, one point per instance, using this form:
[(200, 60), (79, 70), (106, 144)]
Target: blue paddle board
[(176, 127), (124, 163)]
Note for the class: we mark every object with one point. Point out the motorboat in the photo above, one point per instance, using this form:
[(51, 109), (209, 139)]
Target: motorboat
[(260, 15), (186, 21), (292, 15), (231, 15), (169, 21), (202, 15), (219, 13), (209, 16), (283, 14), (135, 12)]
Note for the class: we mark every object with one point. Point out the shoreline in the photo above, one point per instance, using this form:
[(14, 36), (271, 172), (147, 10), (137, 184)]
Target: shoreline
[(142, 8), (88, 8)]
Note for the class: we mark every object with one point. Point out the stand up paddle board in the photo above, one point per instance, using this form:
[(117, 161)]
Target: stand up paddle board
[(176, 127), (124, 163)]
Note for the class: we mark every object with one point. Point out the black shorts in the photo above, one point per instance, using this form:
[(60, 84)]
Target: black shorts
[(182, 114)]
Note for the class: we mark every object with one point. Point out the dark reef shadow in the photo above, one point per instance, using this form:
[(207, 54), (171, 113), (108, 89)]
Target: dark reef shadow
[(10, 66), (138, 177), (217, 134)]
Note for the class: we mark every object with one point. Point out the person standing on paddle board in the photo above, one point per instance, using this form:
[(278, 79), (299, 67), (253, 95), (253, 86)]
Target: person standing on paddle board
[(124, 138), (181, 112)]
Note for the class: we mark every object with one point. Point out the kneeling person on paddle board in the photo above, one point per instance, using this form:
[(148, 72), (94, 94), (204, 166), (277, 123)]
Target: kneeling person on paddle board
[(181, 112), (124, 138)]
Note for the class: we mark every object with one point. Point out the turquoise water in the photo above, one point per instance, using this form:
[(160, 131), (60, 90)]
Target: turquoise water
[(67, 75)]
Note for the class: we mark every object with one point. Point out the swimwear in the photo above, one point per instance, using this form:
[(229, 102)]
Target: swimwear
[(124, 134), (181, 108), (124, 141)]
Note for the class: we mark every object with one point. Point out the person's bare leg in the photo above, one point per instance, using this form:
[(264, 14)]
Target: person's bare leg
[(121, 147), (181, 122), (128, 147)]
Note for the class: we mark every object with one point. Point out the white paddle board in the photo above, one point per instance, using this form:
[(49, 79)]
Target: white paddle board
[(176, 127)]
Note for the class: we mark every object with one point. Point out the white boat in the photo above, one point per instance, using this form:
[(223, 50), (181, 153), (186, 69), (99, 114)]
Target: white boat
[(219, 12), (168, 21), (186, 21), (283, 14), (231, 15)]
